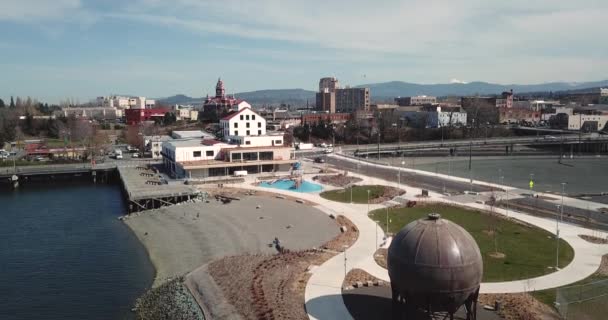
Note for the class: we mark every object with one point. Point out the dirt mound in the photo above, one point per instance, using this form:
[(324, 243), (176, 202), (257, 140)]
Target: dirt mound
[(593, 239), (272, 286), (517, 306), (339, 180), (388, 194)]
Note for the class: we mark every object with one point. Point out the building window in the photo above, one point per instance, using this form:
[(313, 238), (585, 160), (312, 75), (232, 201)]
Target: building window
[(236, 124), (196, 154), (247, 125), (209, 153), (241, 117), (248, 132), (247, 142), (250, 156), (236, 157), (247, 117), (266, 155), (259, 132), (236, 132), (278, 142), (259, 124), (253, 117)]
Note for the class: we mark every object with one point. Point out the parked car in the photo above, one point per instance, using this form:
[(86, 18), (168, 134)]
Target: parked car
[(319, 160), (135, 155), (328, 150)]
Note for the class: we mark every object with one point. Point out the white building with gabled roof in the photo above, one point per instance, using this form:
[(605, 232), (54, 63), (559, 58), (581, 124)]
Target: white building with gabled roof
[(243, 123), (245, 147)]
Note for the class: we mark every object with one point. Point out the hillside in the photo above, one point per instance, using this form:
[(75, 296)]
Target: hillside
[(386, 91)]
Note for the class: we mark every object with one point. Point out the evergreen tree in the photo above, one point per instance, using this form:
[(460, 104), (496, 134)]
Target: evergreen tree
[(2, 103), (12, 105)]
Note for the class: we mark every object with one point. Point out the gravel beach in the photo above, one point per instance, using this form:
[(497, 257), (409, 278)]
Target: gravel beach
[(183, 237)]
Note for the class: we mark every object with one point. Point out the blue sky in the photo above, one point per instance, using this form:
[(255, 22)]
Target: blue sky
[(57, 49)]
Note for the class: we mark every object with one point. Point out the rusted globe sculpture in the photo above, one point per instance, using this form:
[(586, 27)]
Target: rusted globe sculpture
[(435, 265)]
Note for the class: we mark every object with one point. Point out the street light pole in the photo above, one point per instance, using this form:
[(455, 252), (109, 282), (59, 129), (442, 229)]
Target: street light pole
[(557, 239), (386, 222), (561, 215), (376, 222), (344, 248), (401, 168), (368, 202)]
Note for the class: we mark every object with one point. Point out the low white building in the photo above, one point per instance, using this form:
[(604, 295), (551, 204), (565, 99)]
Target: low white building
[(188, 112), (432, 117), (125, 102), (191, 134), (589, 122), (196, 158), (454, 118), (154, 145), (102, 113)]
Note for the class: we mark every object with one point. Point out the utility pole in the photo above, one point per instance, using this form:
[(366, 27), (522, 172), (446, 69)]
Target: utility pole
[(561, 216), (471, 165), (557, 239), (378, 145)]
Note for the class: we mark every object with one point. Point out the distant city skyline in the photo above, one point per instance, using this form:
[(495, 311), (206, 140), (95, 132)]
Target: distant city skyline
[(52, 50)]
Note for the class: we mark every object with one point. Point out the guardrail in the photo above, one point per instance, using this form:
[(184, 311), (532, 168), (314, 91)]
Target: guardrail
[(374, 149)]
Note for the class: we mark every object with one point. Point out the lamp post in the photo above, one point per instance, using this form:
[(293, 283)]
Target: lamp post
[(502, 178), (401, 168), (376, 222), (557, 239), (344, 248), (561, 214), (387, 222), (368, 202)]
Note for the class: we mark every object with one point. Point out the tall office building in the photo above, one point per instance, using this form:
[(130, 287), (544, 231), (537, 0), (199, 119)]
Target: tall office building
[(331, 98), (328, 84)]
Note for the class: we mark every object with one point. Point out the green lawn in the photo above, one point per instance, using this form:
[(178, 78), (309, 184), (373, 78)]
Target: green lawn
[(359, 194), (529, 251)]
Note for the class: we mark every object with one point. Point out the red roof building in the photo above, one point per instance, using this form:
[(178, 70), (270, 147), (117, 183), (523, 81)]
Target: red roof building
[(137, 116), (215, 108)]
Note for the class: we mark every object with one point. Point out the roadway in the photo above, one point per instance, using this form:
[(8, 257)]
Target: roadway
[(416, 180), (454, 143)]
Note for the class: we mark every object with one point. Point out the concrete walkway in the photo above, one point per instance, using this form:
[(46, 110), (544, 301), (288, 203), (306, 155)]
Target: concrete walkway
[(323, 295), (586, 260)]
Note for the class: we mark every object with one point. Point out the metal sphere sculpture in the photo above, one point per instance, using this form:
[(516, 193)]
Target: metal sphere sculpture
[(435, 265)]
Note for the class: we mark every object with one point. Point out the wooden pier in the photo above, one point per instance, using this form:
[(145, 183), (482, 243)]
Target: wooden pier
[(144, 189)]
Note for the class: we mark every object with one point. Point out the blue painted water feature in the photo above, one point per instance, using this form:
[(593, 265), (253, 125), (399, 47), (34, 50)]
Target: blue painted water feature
[(289, 185)]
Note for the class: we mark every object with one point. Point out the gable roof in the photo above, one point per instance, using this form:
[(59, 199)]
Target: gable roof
[(234, 114)]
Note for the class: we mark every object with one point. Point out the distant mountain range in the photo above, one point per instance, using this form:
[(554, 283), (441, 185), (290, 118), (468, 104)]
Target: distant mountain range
[(404, 89), (386, 91)]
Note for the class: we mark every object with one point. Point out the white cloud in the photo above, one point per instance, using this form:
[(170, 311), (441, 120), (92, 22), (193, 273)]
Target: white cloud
[(37, 10), (466, 27)]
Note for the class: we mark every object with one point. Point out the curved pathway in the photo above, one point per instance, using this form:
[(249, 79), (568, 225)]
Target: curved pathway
[(323, 295)]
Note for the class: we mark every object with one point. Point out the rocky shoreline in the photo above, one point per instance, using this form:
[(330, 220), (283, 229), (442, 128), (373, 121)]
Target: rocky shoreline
[(171, 300)]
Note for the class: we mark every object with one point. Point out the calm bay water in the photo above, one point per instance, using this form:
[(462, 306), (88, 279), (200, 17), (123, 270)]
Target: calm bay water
[(582, 175), (65, 255)]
